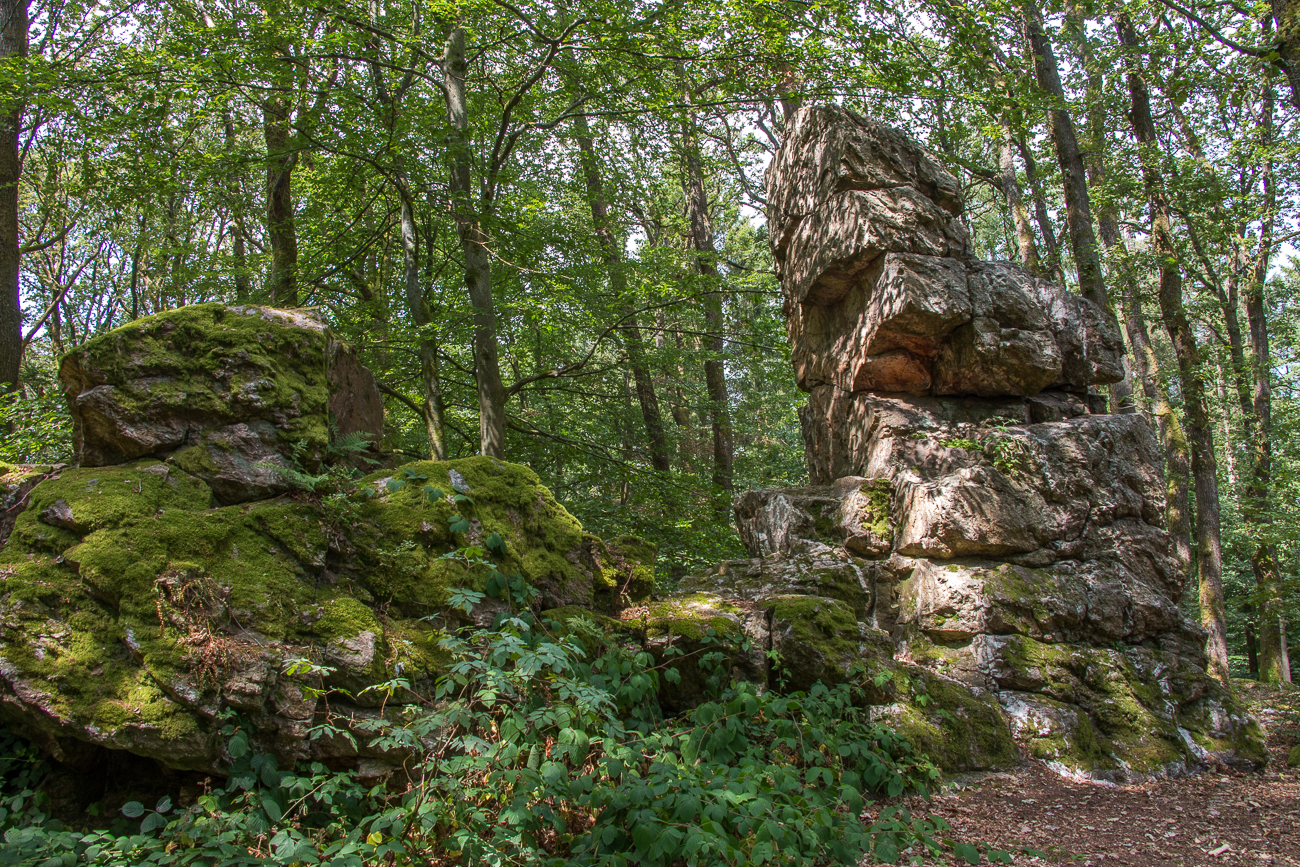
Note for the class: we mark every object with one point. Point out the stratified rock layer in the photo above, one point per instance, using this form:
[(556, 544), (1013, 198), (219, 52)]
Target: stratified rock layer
[(1007, 539), (881, 292)]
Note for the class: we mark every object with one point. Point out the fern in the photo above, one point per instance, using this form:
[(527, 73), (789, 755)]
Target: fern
[(348, 445)]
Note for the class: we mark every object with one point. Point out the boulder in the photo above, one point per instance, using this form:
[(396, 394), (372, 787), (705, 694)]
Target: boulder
[(235, 395), (135, 608)]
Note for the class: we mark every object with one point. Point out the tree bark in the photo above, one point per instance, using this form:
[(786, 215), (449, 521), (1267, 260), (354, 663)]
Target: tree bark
[(1078, 208), (243, 287), (632, 340), (1274, 661), (13, 44), (430, 381), (473, 245), (1200, 433), (1053, 264), (715, 381), (1015, 201), (1146, 365), (282, 283)]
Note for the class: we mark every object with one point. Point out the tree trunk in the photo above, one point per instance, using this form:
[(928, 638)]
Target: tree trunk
[(1200, 433), (632, 340), (1078, 208), (430, 384), (1146, 365), (1052, 267), (1274, 664), (1121, 393), (282, 284), (13, 44), (1015, 201), (478, 265), (697, 207), (1252, 657), (243, 289)]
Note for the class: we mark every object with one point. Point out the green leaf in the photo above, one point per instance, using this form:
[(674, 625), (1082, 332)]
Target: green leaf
[(886, 849), (272, 809), (967, 852), (133, 809), (238, 745)]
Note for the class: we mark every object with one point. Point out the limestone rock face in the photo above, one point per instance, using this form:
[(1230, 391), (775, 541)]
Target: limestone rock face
[(1006, 538), (230, 394)]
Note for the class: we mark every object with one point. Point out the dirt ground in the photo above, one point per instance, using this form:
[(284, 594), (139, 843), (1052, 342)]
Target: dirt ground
[(1215, 818)]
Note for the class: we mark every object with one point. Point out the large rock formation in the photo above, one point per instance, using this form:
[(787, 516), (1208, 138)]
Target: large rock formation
[(1008, 538), (165, 582), (233, 395)]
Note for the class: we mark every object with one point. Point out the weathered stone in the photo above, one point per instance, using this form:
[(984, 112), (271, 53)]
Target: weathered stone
[(234, 392), (1015, 536), (135, 608), (712, 640), (881, 292)]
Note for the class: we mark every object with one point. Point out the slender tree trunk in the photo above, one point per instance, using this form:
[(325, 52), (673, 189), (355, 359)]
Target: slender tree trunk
[(715, 381), (1078, 208), (1252, 657), (1052, 267), (135, 270), (1200, 432), (1015, 201), (282, 283), (13, 44), (1146, 365), (1274, 661), (478, 265), (1074, 180), (243, 289), (430, 384), (632, 340), (1121, 393)]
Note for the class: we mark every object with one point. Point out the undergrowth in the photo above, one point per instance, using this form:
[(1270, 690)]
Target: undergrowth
[(544, 745)]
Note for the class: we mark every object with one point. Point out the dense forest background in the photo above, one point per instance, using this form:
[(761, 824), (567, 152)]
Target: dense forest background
[(542, 223)]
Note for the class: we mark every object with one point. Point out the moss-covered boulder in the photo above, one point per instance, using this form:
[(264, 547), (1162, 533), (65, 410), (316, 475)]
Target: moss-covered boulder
[(235, 394), (708, 640), (135, 609)]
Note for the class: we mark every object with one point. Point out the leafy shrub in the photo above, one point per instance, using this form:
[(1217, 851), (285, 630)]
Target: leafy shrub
[(34, 430)]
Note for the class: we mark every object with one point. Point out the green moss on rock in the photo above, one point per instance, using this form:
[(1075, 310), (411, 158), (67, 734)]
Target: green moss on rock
[(959, 729), (132, 608), (815, 639)]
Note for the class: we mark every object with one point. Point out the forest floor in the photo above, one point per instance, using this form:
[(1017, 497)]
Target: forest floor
[(1215, 818)]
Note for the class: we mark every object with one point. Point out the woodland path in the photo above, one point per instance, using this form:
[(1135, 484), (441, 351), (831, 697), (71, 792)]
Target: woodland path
[(1215, 818)]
